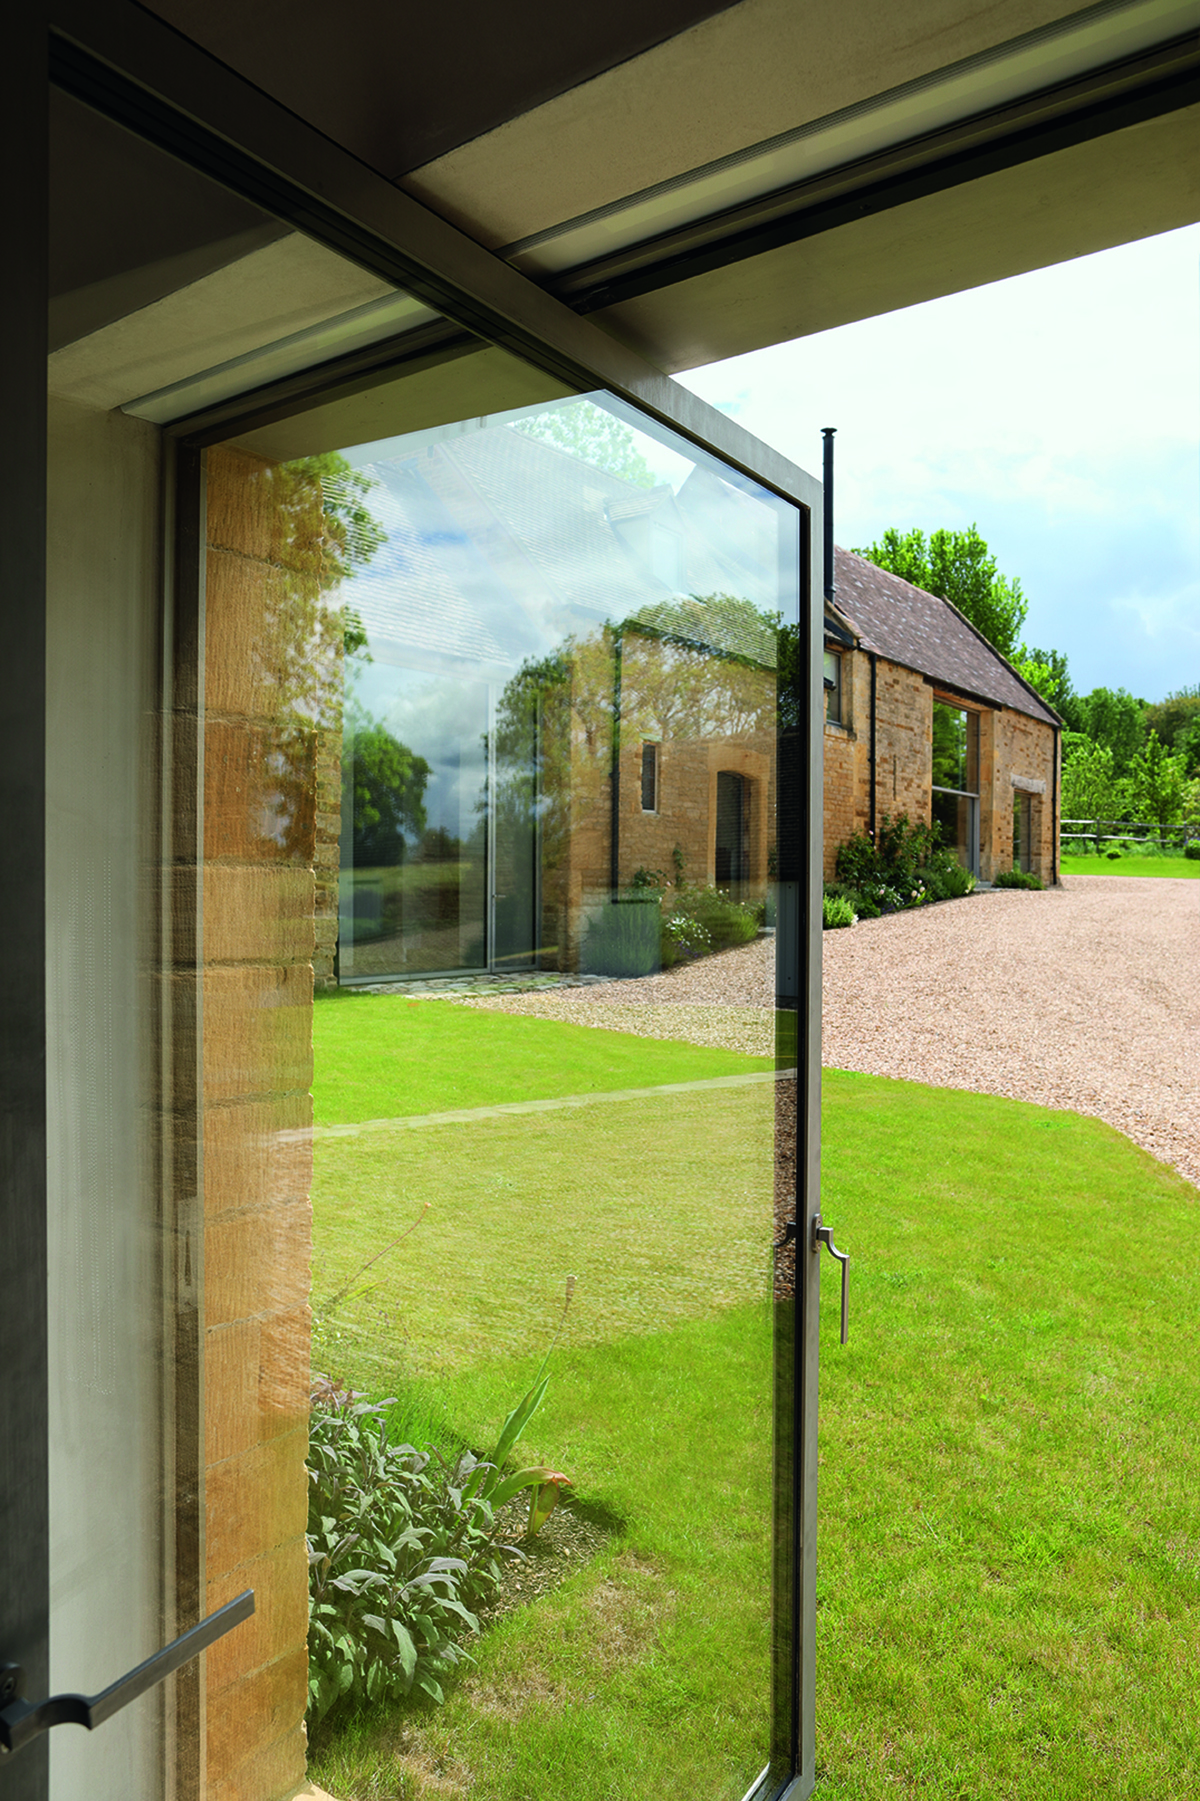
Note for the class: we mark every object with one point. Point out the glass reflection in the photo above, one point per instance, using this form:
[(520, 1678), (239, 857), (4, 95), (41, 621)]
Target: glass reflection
[(554, 643), (955, 802), (547, 600), (955, 748)]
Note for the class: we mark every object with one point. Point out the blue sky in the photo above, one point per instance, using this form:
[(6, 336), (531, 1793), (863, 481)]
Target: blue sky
[(1059, 411)]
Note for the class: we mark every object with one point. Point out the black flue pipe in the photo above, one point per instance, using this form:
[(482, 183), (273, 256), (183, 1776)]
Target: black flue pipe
[(827, 432)]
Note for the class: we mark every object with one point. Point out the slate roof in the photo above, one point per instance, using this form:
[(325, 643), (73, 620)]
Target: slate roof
[(927, 634)]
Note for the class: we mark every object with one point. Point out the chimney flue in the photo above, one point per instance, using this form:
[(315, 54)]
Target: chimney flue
[(827, 433)]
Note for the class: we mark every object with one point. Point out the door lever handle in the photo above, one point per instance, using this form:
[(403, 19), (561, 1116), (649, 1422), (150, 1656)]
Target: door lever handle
[(22, 1720), (823, 1235)]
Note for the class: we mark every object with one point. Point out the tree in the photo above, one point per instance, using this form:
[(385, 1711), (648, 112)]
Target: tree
[(959, 567), (1091, 788), (1188, 747), (1114, 717), (318, 531), (1046, 670), (586, 431), (1158, 783), (388, 795), (1175, 717)]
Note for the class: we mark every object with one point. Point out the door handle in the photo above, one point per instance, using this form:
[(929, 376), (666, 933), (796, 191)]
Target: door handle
[(823, 1235), (22, 1720)]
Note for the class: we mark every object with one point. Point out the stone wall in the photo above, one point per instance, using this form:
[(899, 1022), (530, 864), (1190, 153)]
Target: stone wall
[(903, 741), (1015, 751), (260, 836), (1024, 761), (842, 812), (686, 814)]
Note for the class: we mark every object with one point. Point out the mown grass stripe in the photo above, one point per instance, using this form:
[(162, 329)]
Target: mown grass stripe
[(466, 1115)]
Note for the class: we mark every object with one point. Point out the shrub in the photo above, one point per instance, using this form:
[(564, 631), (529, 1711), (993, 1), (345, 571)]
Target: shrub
[(397, 1557), (724, 922), (861, 901), (1018, 878), (837, 911), (905, 866), (1192, 850), (947, 879), (683, 938)]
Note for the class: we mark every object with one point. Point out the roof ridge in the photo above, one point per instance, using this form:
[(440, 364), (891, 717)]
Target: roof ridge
[(904, 646)]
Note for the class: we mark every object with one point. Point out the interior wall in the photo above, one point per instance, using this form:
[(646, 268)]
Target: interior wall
[(105, 1249)]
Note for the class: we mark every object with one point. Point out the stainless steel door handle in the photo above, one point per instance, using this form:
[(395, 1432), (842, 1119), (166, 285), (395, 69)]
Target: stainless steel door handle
[(22, 1720), (823, 1235)]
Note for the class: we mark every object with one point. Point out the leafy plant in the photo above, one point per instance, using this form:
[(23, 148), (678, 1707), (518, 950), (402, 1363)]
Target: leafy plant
[(837, 911), (399, 1555), (1191, 850), (946, 880), (487, 1479), (906, 865), (724, 921), (683, 936), (654, 881)]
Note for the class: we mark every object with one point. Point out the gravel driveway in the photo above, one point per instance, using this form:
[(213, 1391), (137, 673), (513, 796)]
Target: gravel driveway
[(1086, 996)]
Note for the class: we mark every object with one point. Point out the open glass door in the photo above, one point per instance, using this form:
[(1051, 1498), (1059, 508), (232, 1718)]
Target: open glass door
[(359, 698), (554, 1094)]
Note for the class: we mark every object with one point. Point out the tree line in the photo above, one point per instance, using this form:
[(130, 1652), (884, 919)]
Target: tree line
[(1124, 758)]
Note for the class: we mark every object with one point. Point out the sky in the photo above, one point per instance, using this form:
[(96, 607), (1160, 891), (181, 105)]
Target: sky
[(1058, 411)]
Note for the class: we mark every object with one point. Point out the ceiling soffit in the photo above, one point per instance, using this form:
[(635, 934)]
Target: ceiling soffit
[(400, 86), (710, 288), (760, 96), (1110, 190)]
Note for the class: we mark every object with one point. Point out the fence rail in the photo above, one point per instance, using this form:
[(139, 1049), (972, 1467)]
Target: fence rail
[(1140, 831)]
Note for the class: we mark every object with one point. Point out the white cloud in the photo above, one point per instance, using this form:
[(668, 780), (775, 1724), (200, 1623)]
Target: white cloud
[(1057, 410)]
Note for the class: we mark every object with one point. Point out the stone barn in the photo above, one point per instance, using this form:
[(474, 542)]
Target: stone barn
[(924, 717)]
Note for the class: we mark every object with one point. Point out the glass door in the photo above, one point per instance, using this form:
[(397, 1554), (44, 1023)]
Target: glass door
[(387, 1020), (554, 1098)]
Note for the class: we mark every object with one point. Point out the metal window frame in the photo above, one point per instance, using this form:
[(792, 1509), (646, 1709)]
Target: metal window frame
[(24, 1348), (139, 72)]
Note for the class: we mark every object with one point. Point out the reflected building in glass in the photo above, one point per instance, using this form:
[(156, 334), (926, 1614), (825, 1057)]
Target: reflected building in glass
[(559, 692)]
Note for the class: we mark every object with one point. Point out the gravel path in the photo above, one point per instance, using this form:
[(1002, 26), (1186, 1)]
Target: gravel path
[(1084, 997)]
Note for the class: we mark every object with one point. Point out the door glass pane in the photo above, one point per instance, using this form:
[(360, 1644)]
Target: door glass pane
[(545, 1078)]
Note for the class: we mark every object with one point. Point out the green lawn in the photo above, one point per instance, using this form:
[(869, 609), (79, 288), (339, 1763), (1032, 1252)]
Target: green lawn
[(384, 1056), (1182, 868), (1010, 1444)]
